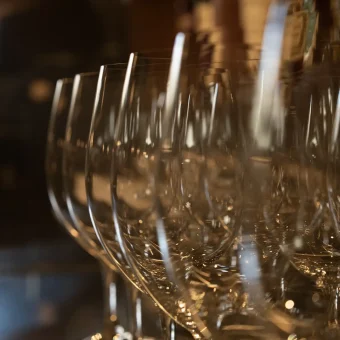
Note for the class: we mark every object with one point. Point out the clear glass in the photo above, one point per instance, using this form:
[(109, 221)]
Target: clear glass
[(76, 135), (55, 148), (200, 233), (136, 141), (306, 205), (133, 139), (109, 103), (204, 231), (55, 144), (98, 161), (74, 155)]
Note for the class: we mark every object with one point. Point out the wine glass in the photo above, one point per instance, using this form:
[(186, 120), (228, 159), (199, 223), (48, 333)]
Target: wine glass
[(132, 200), (313, 247), (109, 103), (210, 250), (60, 107), (76, 139), (180, 261), (79, 132), (272, 186), (287, 170), (54, 154), (271, 201), (113, 80), (135, 142)]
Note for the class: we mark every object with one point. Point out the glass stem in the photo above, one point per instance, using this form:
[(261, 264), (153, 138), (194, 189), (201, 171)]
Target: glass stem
[(110, 321), (168, 327), (333, 312), (135, 317), (172, 331)]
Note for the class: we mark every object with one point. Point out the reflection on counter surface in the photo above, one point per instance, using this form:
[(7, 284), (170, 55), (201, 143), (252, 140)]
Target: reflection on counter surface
[(48, 291), (54, 291)]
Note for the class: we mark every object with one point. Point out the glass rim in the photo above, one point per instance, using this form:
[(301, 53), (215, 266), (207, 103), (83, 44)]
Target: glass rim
[(67, 80), (87, 74)]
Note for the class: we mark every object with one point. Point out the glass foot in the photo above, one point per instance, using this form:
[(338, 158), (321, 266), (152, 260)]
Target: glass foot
[(121, 334)]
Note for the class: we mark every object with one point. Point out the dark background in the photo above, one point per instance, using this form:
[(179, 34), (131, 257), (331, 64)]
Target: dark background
[(49, 287)]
